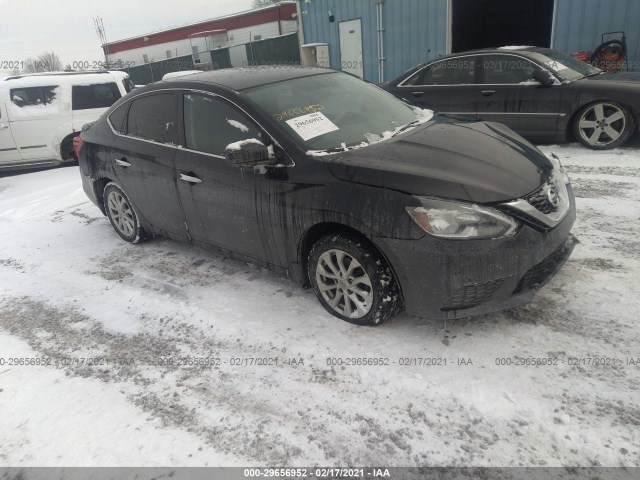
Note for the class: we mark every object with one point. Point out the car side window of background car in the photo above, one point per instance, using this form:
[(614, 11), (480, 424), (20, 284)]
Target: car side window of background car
[(506, 70), (102, 95), (154, 117), (31, 96), (453, 71), (210, 124)]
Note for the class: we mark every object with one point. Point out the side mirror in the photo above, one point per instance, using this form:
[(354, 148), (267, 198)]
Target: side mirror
[(544, 77), (246, 153)]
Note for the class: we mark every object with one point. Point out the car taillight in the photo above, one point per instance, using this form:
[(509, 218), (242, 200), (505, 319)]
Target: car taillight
[(78, 142)]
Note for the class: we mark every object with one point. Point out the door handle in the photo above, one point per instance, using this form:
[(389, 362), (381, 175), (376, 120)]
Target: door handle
[(122, 162), (417, 94), (3, 126), (190, 178), (487, 93)]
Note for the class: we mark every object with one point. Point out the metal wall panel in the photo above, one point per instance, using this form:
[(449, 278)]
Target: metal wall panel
[(414, 31), (579, 25)]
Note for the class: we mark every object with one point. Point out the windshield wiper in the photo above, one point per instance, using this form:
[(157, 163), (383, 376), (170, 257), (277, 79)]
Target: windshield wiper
[(406, 127)]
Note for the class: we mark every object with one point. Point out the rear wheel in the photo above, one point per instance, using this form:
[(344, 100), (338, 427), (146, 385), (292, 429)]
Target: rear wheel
[(352, 280), (121, 214), (604, 125)]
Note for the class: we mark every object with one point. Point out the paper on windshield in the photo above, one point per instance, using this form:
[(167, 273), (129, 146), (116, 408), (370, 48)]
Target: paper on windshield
[(556, 65), (312, 125)]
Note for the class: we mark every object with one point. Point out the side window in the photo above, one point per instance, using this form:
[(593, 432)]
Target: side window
[(128, 84), (154, 117), (31, 96), (101, 95), (416, 78), (210, 124), (117, 117), (453, 71), (506, 70)]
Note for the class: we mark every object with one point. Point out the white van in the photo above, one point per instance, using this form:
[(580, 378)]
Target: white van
[(41, 113)]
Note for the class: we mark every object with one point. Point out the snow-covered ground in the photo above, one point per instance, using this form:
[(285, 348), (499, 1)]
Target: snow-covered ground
[(71, 289)]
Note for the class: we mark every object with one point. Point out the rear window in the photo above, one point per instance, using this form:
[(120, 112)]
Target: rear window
[(31, 96), (117, 118), (100, 95)]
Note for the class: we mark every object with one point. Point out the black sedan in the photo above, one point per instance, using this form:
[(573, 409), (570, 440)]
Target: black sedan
[(542, 94), (333, 182)]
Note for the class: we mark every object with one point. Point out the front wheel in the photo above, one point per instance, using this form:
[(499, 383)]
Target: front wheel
[(604, 125), (121, 214), (352, 280)]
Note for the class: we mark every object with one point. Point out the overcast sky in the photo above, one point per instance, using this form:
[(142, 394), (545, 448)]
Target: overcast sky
[(30, 27)]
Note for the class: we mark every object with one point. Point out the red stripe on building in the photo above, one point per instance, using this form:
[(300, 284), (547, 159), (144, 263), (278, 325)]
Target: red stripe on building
[(276, 13)]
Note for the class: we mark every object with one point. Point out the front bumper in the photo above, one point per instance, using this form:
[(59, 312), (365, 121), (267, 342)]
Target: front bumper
[(445, 279)]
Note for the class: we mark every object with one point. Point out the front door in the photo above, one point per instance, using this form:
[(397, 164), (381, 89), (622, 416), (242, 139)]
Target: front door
[(221, 202), (351, 47)]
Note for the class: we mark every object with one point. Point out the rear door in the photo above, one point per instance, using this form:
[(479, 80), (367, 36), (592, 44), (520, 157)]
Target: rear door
[(220, 201), (40, 118), (8, 151), (513, 97), (446, 86), (143, 159)]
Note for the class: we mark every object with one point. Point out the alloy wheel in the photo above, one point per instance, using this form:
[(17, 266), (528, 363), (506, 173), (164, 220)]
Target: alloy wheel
[(602, 124), (121, 213), (344, 284)]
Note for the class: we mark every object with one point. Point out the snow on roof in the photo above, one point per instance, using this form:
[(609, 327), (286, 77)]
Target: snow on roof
[(182, 73), (62, 78), (515, 47)]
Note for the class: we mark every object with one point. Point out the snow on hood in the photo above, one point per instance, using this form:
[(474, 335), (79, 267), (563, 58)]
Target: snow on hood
[(423, 115)]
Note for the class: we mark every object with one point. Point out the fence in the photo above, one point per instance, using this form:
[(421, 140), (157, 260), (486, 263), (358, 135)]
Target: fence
[(271, 51)]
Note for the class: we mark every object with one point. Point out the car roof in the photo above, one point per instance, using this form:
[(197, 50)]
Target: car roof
[(247, 77), (63, 74), (503, 50)]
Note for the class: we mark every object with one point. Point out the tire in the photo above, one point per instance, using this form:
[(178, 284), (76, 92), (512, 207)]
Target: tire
[(374, 296), (604, 125), (122, 215)]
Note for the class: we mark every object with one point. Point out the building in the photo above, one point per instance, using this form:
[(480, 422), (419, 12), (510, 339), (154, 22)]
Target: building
[(230, 33), (379, 39)]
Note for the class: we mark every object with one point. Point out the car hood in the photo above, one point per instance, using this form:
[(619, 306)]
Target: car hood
[(471, 161), (624, 77)]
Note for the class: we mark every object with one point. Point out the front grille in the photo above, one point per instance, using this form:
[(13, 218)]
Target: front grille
[(540, 198), (471, 295), (540, 272)]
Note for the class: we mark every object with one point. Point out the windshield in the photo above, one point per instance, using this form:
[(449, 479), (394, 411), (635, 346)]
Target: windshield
[(334, 110), (567, 67)]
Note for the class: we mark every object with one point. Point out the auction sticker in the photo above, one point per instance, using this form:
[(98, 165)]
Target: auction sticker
[(312, 125)]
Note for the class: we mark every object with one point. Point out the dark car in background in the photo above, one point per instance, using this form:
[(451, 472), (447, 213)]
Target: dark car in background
[(542, 94), (376, 204)]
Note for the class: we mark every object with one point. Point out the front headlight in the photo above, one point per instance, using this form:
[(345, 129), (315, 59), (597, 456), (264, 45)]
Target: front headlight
[(557, 165), (457, 220)]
